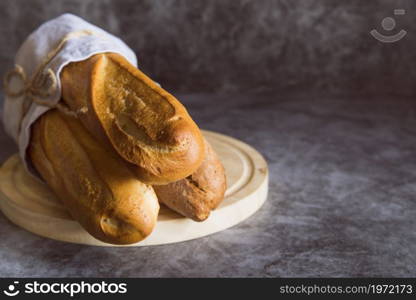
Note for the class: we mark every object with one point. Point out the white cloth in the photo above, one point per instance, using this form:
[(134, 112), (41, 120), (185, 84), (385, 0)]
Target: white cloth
[(33, 53)]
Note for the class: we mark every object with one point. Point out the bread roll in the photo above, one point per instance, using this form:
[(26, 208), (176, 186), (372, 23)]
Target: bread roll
[(146, 125), (198, 194), (96, 187)]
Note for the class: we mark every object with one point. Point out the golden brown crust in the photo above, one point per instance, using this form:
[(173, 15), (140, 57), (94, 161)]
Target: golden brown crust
[(146, 125), (196, 195), (95, 185)]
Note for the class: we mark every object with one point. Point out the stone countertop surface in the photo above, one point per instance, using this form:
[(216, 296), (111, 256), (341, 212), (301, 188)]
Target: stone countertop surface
[(341, 198)]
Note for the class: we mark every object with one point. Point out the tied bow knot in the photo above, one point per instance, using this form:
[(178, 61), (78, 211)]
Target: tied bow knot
[(42, 85), (44, 82)]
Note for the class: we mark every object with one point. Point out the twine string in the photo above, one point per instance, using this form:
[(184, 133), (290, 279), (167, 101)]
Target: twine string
[(44, 82)]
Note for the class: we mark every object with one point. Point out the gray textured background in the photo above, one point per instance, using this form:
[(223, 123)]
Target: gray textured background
[(242, 45)]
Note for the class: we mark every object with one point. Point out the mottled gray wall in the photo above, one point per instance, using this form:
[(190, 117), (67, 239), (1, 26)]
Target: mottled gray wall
[(230, 45)]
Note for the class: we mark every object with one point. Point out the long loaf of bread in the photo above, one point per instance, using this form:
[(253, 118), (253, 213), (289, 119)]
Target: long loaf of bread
[(196, 195), (95, 185), (123, 108)]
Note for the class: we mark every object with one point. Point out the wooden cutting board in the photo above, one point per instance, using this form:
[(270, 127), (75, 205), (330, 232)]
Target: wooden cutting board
[(30, 204)]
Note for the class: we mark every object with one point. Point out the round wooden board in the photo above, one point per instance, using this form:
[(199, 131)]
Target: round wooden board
[(30, 204)]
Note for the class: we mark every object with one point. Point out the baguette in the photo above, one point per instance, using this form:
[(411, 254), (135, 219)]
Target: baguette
[(95, 185), (196, 195), (123, 108)]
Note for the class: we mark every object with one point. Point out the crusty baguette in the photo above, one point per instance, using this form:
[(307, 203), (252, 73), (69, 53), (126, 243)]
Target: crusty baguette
[(146, 125), (196, 195), (95, 185)]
